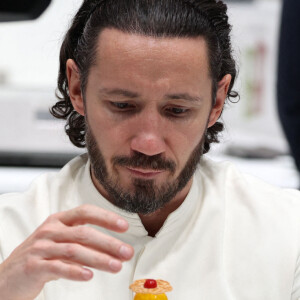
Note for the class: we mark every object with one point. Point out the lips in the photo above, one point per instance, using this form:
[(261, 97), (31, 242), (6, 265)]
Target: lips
[(144, 172)]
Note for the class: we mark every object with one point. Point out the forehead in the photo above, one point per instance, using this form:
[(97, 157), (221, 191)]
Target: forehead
[(124, 47), (151, 66)]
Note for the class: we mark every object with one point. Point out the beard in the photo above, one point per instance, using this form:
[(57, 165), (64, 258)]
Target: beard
[(144, 197)]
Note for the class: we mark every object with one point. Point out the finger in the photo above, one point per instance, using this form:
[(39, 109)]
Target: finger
[(80, 255), (90, 214), (55, 269), (96, 240)]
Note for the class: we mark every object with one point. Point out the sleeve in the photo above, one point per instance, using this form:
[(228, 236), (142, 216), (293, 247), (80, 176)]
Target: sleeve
[(296, 284), (1, 242), (296, 287)]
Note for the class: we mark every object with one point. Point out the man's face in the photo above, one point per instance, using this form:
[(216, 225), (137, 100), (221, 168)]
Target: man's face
[(147, 106)]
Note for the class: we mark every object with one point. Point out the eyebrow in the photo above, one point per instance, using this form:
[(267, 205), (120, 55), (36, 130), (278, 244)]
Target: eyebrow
[(133, 95), (184, 96), (119, 92)]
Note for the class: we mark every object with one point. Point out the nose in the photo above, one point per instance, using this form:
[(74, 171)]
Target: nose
[(148, 137)]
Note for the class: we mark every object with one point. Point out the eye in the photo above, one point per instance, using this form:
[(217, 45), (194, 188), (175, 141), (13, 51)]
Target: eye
[(177, 111), (121, 105)]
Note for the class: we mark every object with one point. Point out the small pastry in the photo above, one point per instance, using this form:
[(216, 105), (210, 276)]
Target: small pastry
[(150, 289)]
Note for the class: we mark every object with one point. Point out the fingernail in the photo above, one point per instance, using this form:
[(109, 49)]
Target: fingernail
[(125, 252), (122, 224), (115, 265), (87, 274)]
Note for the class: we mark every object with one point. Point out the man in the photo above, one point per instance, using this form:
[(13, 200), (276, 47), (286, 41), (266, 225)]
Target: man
[(143, 83), (288, 90)]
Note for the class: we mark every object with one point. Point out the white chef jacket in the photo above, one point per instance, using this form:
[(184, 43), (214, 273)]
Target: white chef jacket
[(234, 237)]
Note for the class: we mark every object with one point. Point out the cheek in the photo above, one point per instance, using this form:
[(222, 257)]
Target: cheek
[(186, 140), (110, 137)]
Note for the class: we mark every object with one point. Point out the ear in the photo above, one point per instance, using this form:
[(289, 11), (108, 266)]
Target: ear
[(221, 95), (75, 86)]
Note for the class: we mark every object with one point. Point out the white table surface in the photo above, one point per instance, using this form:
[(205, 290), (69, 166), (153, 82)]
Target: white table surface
[(13, 179), (280, 171)]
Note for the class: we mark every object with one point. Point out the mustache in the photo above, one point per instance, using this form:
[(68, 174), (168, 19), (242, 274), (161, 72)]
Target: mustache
[(140, 160)]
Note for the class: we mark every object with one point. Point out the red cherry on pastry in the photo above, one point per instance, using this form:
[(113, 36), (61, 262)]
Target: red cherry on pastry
[(150, 284)]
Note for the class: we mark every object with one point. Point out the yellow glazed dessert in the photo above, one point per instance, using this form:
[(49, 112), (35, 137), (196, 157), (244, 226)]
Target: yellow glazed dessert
[(150, 289)]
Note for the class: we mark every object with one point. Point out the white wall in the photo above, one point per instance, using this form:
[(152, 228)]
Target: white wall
[(254, 121), (29, 54), (29, 50)]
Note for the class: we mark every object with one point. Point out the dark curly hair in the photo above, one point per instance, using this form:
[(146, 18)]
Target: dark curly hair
[(157, 18)]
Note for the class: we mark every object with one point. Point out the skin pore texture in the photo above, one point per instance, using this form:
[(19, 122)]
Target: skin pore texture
[(147, 106)]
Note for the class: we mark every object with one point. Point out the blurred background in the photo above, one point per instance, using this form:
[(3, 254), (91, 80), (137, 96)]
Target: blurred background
[(33, 142)]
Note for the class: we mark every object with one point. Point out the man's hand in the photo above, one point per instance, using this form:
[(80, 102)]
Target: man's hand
[(60, 248)]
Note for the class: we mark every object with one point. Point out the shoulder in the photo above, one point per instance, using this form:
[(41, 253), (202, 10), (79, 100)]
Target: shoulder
[(246, 193), (228, 177), (261, 226), (44, 191)]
